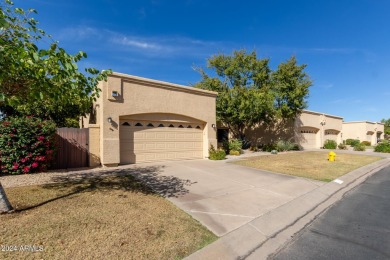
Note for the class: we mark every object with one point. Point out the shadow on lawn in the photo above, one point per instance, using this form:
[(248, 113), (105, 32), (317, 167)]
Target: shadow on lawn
[(147, 180)]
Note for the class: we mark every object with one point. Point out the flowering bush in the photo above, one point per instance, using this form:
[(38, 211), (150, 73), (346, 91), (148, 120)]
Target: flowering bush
[(26, 145)]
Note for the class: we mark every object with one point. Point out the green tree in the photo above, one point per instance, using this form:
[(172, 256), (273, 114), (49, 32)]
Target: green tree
[(249, 92), (290, 86), (386, 122), (43, 81), (39, 78)]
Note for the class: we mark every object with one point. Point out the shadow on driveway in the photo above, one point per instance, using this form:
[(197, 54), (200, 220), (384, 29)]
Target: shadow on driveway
[(147, 180)]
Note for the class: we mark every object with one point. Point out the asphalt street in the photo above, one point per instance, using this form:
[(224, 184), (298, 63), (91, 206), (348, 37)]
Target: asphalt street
[(357, 227)]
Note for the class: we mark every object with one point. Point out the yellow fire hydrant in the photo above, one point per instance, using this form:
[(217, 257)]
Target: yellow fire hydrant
[(331, 156)]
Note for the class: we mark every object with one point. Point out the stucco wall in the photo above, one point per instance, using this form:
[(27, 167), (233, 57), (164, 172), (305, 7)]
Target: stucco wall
[(139, 96), (308, 120), (364, 131), (267, 134), (94, 145)]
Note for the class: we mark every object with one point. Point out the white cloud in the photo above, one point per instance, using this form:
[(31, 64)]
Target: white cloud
[(79, 33), (156, 46), (347, 101), (123, 40), (327, 86), (332, 50)]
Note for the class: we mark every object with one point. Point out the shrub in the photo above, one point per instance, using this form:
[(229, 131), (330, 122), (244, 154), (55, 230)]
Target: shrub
[(383, 147), (26, 145), (234, 152), (235, 144), (216, 154), (246, 144), (359, 147), (342, 146), (254, 148), (282, 146), (225, 146), (330, 144), (268, 147), (366, 143), (352, 142)]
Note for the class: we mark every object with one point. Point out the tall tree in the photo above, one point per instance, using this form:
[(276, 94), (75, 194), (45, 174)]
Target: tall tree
[(290, 87), (35, 77), (249, 92), (386, 122)]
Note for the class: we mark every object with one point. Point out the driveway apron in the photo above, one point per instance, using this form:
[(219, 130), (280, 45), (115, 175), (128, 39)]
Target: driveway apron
[(221, 195)]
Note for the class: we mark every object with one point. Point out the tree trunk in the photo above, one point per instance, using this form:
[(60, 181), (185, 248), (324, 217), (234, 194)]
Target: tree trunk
[(5, 206)]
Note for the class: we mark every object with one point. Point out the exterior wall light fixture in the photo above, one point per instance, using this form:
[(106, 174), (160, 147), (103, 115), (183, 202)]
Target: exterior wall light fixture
[(109, 120), (213, 126)]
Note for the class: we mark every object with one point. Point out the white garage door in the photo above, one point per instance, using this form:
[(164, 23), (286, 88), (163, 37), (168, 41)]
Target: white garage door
[(148, 141), (308, 138), (331, 135)]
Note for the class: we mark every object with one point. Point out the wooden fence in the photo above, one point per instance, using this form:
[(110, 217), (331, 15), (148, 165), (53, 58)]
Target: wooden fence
[(72, 148)]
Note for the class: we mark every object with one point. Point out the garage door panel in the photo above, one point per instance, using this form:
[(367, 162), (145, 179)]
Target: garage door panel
[(147, 144), (331, 137), (163, 146), (308, 138)]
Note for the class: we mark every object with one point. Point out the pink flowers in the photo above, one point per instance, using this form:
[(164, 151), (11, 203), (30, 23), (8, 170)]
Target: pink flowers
[(15, 166), (26, 145), (40, 158)]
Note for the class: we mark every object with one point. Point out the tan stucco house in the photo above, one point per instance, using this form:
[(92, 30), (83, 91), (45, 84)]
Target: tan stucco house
[(313, 128), (364, 131), (142, 120), (309, 130)]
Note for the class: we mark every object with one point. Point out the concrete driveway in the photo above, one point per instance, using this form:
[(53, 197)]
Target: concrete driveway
[(221, 195)]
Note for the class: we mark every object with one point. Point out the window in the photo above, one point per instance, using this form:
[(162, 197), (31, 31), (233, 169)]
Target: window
[(138, 124), (197, 127), (189, 126), (180, 126), (126, 124), (160, 125), (170, 125), (150, 125)]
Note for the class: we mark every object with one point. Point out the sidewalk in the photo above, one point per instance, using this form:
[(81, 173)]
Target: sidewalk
[(264, 235)]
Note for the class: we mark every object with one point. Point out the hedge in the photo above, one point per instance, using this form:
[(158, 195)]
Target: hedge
[(27, 145)]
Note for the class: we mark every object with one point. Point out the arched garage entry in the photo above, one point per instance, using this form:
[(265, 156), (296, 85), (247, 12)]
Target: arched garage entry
[(331, 134), (160, 137), (308, 137), (370, 137)]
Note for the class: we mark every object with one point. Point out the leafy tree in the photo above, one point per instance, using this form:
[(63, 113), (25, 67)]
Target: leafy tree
[(249, 92), (386, 122), (42, 81), (38, 78), (290, 86)]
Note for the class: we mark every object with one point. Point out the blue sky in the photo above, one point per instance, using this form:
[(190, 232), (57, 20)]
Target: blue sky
[(345, 43)]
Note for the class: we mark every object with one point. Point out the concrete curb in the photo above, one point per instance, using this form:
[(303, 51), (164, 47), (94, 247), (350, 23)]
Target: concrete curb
[(267, 234)]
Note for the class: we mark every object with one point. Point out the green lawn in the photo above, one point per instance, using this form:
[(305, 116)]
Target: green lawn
[(313, 165)]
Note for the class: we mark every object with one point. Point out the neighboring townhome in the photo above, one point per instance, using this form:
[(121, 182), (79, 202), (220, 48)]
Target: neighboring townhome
[(142, 120), (309, 130), (314, 128), (364, 131)]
